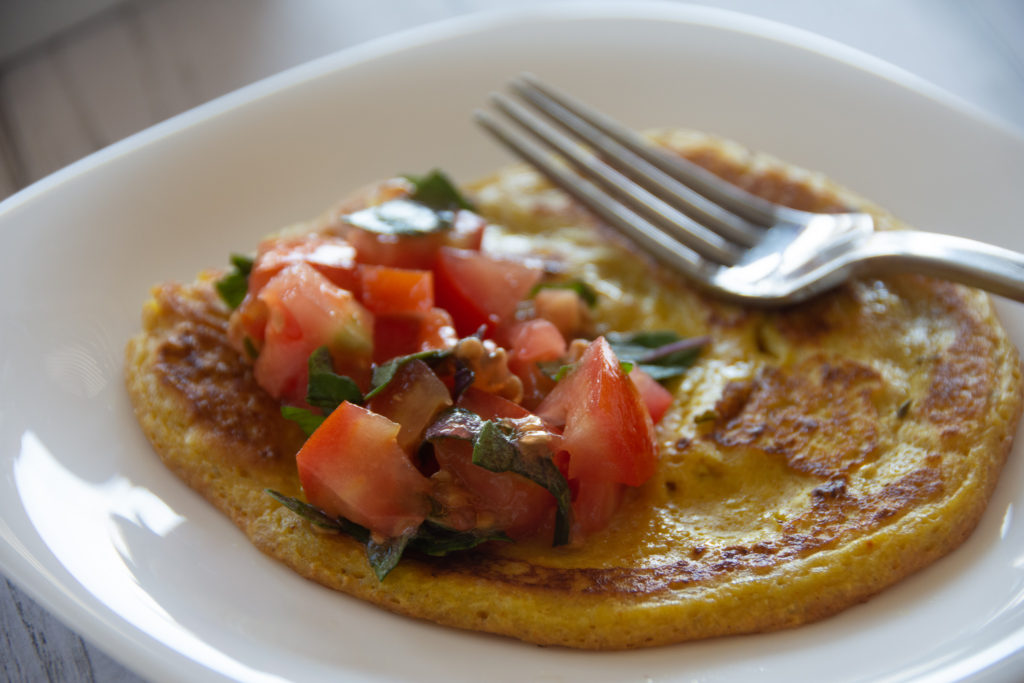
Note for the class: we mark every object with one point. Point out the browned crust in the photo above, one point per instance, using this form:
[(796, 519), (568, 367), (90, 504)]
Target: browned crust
[(887, 476)]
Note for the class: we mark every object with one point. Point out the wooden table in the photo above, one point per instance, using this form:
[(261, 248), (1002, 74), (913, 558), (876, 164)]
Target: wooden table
[(141, 61)]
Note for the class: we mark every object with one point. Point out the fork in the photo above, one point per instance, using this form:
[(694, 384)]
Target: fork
[(737, 245)]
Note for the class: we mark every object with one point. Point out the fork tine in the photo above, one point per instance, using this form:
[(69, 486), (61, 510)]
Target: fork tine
[(617, 146), (654, 210), (647, 236), (697, 179)]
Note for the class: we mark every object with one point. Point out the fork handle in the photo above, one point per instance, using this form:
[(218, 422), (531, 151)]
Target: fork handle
[(969, 262)]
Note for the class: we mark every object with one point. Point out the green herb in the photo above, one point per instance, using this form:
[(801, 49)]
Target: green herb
[(430, 538), (904, 409), (327, 389), (235, 284), (307, 420), (318, 517), (436, 191), (430, 207), (384, 555), (661, 354), (384, 373), (587, 293)]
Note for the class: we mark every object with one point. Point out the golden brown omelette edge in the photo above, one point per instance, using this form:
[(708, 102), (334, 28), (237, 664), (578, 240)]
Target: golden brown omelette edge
[(842, 503)]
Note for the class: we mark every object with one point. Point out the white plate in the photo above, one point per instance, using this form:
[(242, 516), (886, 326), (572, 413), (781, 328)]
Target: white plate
[(94, 527)]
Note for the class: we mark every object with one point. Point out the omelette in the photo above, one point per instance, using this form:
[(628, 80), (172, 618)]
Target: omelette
[(811, 456)]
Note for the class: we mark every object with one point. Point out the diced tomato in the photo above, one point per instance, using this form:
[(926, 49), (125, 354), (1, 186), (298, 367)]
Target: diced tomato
[(387, 290), (332, 256), (481, 290), (536, 340), (403, 333), (656, 398), (248, 325), (490, 406), (594, 504), (413, 398), (304, 312), (608, 432), (416, 251), (500, 500), (353, 467)]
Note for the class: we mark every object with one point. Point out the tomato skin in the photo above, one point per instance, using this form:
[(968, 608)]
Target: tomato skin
[(490, 406), (417, 251), (401, 334), (332, 256), (594, 504), (353, 467), (608, 432), (412, 399), (536, 341), (306, 311), (655, 397), (387, 290), (480, 290), (500, 500)]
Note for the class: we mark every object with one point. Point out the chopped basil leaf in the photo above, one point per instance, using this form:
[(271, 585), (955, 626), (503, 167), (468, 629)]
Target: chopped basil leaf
[(382, 374), (661, 354), (430, 538), (307, 420), (438, 540), (401, 217), (587, 293), (233, 287), (904, 409), (315, 515), (327, 389), (436, 191), (384, 556)]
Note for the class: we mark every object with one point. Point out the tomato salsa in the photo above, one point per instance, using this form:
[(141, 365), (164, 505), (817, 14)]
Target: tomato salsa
[(450, 396)]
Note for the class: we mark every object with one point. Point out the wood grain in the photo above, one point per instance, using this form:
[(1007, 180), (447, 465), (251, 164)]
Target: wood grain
[(143, 61)]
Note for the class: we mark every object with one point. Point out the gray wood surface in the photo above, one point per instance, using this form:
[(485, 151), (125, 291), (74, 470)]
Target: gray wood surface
[(138, 62)]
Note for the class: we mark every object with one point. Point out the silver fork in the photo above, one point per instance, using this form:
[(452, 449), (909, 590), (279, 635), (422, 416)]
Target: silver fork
[(735, 244)]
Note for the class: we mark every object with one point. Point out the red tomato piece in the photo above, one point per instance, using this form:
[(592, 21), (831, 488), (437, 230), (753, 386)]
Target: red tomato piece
[(481, 290), (608, 432), (594, 504), (656, 398), (387, 290), (500, 500), (304, 312), (536, 340), (413, 398), (332, 256), (401, 334), (490, 406), (416, 251), (353, 467)]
